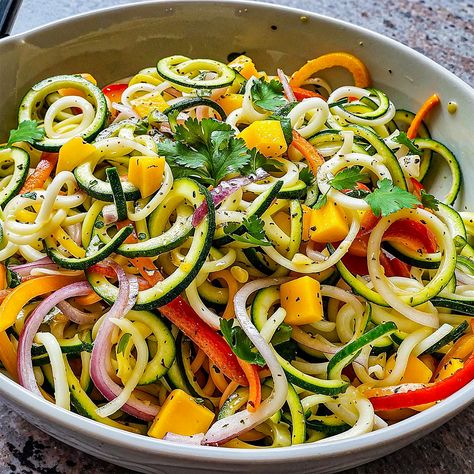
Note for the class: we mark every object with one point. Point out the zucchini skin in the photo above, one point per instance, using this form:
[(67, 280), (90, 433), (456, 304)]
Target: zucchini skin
[(21, 164), (40, 90), (71, 263)]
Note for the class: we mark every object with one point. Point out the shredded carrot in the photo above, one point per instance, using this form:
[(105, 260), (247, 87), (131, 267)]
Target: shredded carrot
[(3, 277), (311, 155), (8, 355), (421, 114), (41, 173), (233, 287), (198, 361), (231, 388), (255, 388)]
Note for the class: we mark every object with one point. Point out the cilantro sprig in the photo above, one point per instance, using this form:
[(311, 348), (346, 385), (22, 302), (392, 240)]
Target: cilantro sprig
[(429, 201), (388, 198), (267, 95), (27, 131), (240, 343), (403, 139), (254, 235), (348, 178), (208, 150)]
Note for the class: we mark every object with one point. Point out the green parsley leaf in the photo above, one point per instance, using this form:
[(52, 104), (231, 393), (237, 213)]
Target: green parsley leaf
[(267, 95), (429, 201), (240, 343), (348, 178), (307, 176), (27, 131), (250, 239), (404, 140), (321, 202), (387, 198), (255, 234), (208, 147)]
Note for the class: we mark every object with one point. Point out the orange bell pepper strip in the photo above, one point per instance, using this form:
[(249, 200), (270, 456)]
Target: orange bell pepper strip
[(311, 155), (421, 114), (42, 172), (233, 287), (348, 61), (255, 387), (14, 303), (87, 300)]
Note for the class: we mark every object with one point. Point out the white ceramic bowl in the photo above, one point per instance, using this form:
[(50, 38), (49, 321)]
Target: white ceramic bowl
[(116, 42)]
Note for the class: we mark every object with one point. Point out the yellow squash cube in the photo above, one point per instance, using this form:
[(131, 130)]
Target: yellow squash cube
[(415, 372), (267, 136), (147, 103), (230, 102), (73, 153), (146, 173), (181, 414), (327, 224), (245, 66), (302, 301)]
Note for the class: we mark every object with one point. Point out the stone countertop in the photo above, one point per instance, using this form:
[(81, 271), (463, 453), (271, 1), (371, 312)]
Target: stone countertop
[(442, 30)]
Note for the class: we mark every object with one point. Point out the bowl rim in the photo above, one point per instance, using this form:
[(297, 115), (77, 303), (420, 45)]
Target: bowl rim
[(20, 397)]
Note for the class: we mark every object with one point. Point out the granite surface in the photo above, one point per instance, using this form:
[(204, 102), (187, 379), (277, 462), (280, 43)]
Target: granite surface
[(442, 30)]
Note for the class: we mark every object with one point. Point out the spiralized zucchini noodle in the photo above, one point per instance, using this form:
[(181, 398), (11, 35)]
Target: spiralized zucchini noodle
[(210, 254)]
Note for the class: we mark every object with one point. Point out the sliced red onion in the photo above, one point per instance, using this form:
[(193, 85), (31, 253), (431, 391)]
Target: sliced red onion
[(110, 214), (232, 426), (314, 254), (286, 86), (24, 269), (127, 111), (127, 295), (76, 315), (75, 232), (26, 375), (181, 439), (224, 190), (464, 278)]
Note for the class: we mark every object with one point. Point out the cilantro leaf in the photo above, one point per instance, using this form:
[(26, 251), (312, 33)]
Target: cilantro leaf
[(403, 139), (240, 343), (429, 201), (321, 202), (307, 176), (257, 160), (255, 234), (208, 147), (27, 131), (122, 345), (282, 334), (387, 198), (347, 178), (267, 95)]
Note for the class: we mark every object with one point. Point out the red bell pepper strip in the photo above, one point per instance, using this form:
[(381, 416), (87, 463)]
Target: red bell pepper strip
[(114, 92), (417, 188), (310, 154), (301, 94), (393, 266), (429, 394), (41, 173), (216, 348)]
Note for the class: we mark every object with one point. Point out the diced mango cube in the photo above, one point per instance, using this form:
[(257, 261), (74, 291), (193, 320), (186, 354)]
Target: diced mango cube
[(267, 136), (230, 102), (147, 103), (327, 224), (146, 173), (68, 91), (181, 414), (245, 66), (302, 301), (73, 153), (416, 371)]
